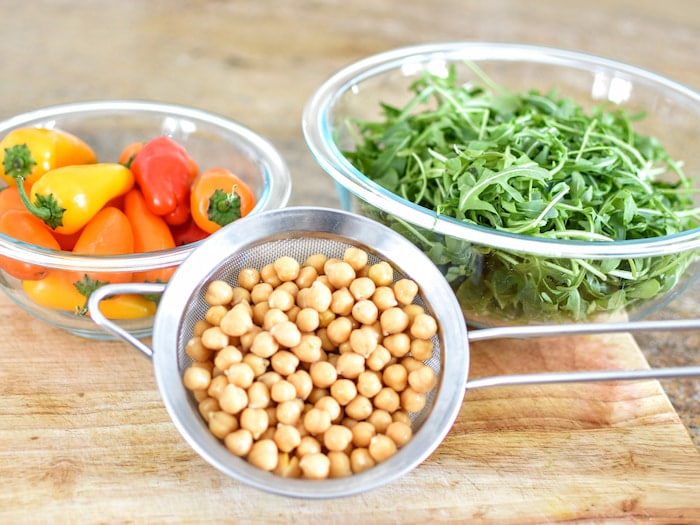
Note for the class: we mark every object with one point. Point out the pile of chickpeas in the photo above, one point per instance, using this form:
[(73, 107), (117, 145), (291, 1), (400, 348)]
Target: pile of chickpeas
[(312, 370)]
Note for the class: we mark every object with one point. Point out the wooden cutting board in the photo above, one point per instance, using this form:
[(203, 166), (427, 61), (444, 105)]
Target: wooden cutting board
[(84, 438)]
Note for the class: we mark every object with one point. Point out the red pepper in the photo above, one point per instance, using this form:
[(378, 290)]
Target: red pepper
[(187, 233), (162, 169)]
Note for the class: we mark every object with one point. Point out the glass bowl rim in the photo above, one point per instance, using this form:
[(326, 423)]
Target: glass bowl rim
[(318, 134), (276, 192)]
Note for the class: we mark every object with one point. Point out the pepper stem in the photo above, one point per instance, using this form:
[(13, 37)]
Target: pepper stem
[(19, 163), (224, 208)]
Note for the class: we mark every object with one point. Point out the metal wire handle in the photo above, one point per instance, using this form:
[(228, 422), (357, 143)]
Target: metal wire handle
[(531, 331)]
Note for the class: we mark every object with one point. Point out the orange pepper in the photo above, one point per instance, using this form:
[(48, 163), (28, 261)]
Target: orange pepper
[(50, 149), (151, 233), (219, 197), (23, 226), (58, 291)]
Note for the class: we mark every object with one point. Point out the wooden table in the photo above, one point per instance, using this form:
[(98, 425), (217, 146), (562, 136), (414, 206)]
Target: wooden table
[(84, 436)]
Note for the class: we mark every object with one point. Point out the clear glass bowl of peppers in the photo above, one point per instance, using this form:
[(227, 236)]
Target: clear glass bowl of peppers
[(120, 191), (548, 185)]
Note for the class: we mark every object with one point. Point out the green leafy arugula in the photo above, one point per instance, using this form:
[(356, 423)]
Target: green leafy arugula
[(531, 164)]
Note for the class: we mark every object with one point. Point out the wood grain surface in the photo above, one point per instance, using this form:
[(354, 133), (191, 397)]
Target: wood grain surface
[(84, 436)]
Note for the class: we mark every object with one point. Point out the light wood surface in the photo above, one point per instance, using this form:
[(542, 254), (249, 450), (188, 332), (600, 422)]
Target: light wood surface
[(84, 437)]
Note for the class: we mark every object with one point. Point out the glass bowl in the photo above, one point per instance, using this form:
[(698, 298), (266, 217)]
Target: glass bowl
[(534, 274), (108, 126)]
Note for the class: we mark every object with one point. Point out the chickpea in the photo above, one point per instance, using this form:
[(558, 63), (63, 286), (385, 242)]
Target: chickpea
[(214, 314), (207, 406), (227, 356), (308, 445), (255, 420), (378, 359), (308, 319), (362, 288), (268, 275), (222, 423), (360, 460), (323, 374), (287, 268), (316, 261), (269, 378), (338, 330), (315, 466), (393, 320), (240, 374), (286, 437), (264, 344), (259, 312), (340, 274), (319, 297), (384, 298), (422, 349), (246, 340), (214, 338), (240, 442), (263, 454), (284, 362), (196, 378), (217, 385), (387, 399), (399, 432), (342, 302), (350, 365), (412, 401), (316, 394), (218, 293), (283, 390), (281, 299), (337, 438), (236, 322), (381, 448), (199, 395), (423, 326), (289, 412), (248, 278), (396, 377), (301, 379), (405, 291), (355, 257), (339, 464), (257, 363), (398, 345), (199, 327), (360, 408), (258, 395), (240, 295), (330, 405), (287, 466), (344, 391), (233, 399), (286, 334), (369, 383), (273, 316), (423, 379), (411, 363), (260, 293), (401, 416), (364, 340), (362, 434), (308, 350), (317, 421), (381, 273), (307, 275), (381, 419), (365, 311)]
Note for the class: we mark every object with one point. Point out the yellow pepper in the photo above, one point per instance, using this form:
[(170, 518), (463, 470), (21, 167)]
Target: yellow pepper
[(49, 148), (58, 291), (67, 198)]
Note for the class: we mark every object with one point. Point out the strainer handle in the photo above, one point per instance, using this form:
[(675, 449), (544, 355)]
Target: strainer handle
[(582, 329), (112, 289)]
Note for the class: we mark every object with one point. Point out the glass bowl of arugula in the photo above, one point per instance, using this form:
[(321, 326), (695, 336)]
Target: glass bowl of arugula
[(548, 185)]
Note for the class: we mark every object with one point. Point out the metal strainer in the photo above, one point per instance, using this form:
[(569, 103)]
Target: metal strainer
[(300, 232)]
